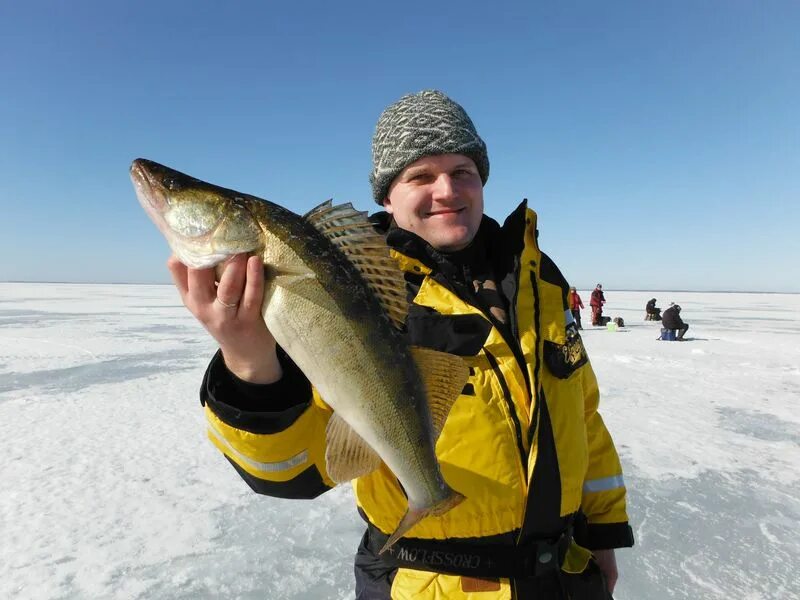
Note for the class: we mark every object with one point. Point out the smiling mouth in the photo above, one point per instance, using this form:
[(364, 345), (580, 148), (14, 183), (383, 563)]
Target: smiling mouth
[(448, 211)]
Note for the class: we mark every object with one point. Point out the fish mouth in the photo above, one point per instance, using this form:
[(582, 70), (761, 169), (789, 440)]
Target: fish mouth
[(153, 183), (201, 225), (150, 194)]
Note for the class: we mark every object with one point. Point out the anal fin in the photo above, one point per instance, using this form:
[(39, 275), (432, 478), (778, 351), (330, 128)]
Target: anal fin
[(347, 455)]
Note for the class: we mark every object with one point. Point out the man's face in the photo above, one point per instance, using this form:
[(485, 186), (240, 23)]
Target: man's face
[(440, 198)]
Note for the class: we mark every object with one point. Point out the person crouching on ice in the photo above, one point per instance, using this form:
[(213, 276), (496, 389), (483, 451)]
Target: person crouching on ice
[(671, 319), (652, 313)]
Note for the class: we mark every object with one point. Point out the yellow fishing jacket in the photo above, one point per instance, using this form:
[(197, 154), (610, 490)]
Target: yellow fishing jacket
[(523, 443)]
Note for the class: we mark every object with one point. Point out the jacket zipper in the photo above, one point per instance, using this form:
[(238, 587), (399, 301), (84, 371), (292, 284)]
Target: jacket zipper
[(512, 412), (535, 397), (510, 334)]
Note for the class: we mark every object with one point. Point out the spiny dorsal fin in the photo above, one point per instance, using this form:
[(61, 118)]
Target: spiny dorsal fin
[(352, 233), (444, 376), (347, 455)]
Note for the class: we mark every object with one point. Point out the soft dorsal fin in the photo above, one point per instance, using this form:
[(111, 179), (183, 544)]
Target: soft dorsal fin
[(352, 233), (347, 455), (445, 376)]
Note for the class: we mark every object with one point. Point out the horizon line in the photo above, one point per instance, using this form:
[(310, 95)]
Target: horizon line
[(696, 291)]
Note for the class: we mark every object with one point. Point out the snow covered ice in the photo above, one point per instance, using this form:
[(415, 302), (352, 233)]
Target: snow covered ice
[(109, 488)]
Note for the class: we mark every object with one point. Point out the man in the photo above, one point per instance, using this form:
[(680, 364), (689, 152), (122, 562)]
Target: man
[(523, 443), (671, 319), (575, 305), (597, 301), (652, 312)]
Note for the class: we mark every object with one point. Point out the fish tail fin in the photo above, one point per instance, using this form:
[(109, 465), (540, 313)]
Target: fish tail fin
[(415, 515)]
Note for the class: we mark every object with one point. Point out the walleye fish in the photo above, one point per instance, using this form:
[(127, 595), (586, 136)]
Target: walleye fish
[(333, 299)]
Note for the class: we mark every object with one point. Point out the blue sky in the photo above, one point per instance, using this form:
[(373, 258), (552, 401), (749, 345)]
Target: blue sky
[(658, 142)]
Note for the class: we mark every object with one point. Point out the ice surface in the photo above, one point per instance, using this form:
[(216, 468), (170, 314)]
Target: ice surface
[(109, 489)]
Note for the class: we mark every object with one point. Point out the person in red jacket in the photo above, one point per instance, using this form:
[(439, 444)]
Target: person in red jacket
[(575, 305), (597, 301)]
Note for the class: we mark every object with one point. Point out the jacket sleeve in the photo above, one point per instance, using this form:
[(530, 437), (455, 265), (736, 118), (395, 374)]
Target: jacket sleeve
[(604, 494), (273, 435)]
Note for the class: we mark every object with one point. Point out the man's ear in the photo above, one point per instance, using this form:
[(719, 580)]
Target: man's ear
[(387, 205)]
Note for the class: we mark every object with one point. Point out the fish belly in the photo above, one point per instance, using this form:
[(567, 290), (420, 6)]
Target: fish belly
[(335, 357)]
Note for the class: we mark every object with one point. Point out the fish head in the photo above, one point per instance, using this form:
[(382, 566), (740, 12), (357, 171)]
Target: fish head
[(204, 224)]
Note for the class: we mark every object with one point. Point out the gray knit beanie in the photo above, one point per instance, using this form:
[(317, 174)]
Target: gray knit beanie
[(424, 124)]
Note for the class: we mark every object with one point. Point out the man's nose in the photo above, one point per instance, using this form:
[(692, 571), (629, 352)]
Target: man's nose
[(444, 187)]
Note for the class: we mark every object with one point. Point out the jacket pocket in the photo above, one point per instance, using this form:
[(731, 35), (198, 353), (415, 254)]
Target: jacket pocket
[(563, 360)]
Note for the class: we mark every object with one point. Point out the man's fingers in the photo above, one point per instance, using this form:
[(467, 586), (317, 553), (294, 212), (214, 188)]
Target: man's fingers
[(254, 286), (179, 274), (202, 286), (199, 289), (231, 283), (607, 561)]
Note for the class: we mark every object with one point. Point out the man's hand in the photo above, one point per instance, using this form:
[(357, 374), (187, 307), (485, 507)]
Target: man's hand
[(231, 312), (607, 562)]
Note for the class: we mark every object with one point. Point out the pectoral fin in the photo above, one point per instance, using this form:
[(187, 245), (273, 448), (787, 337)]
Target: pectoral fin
[(444, 376)]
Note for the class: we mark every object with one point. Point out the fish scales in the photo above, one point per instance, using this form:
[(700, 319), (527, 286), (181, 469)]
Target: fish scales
[(323, 314)]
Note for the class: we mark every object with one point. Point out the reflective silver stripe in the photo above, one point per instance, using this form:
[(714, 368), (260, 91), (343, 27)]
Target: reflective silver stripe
[(285, 465), (604, 484)]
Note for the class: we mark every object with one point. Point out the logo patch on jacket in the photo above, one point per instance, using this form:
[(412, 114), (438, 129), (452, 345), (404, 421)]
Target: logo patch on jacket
[(564, 359)]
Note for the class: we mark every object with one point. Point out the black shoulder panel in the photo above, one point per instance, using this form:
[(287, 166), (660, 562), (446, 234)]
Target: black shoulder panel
[(305, 486), (463, 335)]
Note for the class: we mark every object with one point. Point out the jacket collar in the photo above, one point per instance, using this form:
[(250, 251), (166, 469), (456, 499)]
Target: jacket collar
[(500, 243)]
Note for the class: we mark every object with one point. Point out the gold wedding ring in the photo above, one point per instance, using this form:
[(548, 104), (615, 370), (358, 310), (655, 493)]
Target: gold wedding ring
[(226, 305)]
